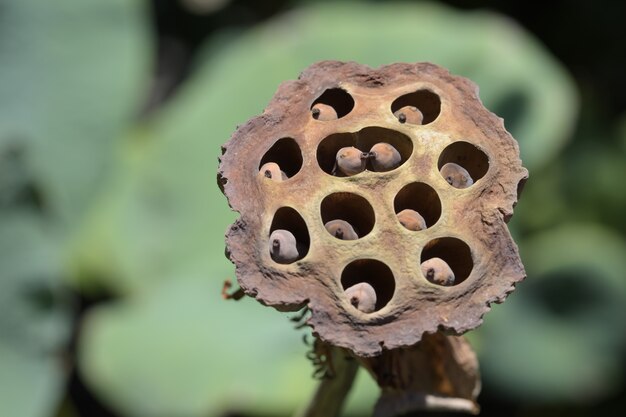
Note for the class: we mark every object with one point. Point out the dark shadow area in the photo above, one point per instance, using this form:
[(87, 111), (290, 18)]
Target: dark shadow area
[(338, 99), (426, 102), (511, 108), (421, 198), (287, 154), (375, 273), (466, 155), (289, 219), (349, 207), (363, 140), (454, 252)]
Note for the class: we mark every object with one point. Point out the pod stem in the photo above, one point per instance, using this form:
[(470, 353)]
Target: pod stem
[(330, 395)]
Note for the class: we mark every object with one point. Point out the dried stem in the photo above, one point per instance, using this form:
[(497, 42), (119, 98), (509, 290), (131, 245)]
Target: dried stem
[(329, 397)]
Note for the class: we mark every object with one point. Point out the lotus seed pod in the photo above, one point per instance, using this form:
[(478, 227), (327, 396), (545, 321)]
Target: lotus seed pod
[(271, 170), (341, 229), (412, 220), (456, 175), (437, 271), (409, 114), (385, 157), (350, 161), (468, 230), (323, 112), (283, 246), (362, 296)]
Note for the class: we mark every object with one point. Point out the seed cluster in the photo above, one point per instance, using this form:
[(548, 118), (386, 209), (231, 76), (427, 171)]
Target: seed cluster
[(378, 198)]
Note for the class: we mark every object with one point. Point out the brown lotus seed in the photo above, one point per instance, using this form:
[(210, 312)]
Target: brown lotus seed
[(341, 229), (283, 246), (272, 171), (409, 114), (323, 112), (412, 220), (384, 157), (456, 175), (350, 161), (362, 296), (437, 271)]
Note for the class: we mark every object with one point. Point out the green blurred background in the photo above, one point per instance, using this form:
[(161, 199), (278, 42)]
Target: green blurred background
[(112, 114)]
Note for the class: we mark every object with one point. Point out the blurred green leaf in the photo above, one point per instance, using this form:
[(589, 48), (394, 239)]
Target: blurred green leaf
[(543, 203), (160, 214), (70, 83), (30, 384), (35, 312), (35, 316), (181, 350), (594, 173), (581, 186), (561, 336)]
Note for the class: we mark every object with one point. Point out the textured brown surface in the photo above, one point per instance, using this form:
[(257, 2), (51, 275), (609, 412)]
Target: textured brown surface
[(475, 216), (439, 373)]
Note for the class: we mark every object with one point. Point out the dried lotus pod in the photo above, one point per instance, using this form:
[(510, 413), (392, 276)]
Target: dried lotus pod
[(465, 227)]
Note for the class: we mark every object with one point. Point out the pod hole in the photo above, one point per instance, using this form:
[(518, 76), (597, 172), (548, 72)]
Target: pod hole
[(287, 154), (286, 218), (351, 208), (363, 140), (427, 102), (421, 198), (338, 99), (468, 156), (452, 251), (373, 272)]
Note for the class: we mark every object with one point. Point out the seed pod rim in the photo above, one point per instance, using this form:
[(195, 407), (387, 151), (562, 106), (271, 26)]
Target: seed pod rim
[(290, 287)]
